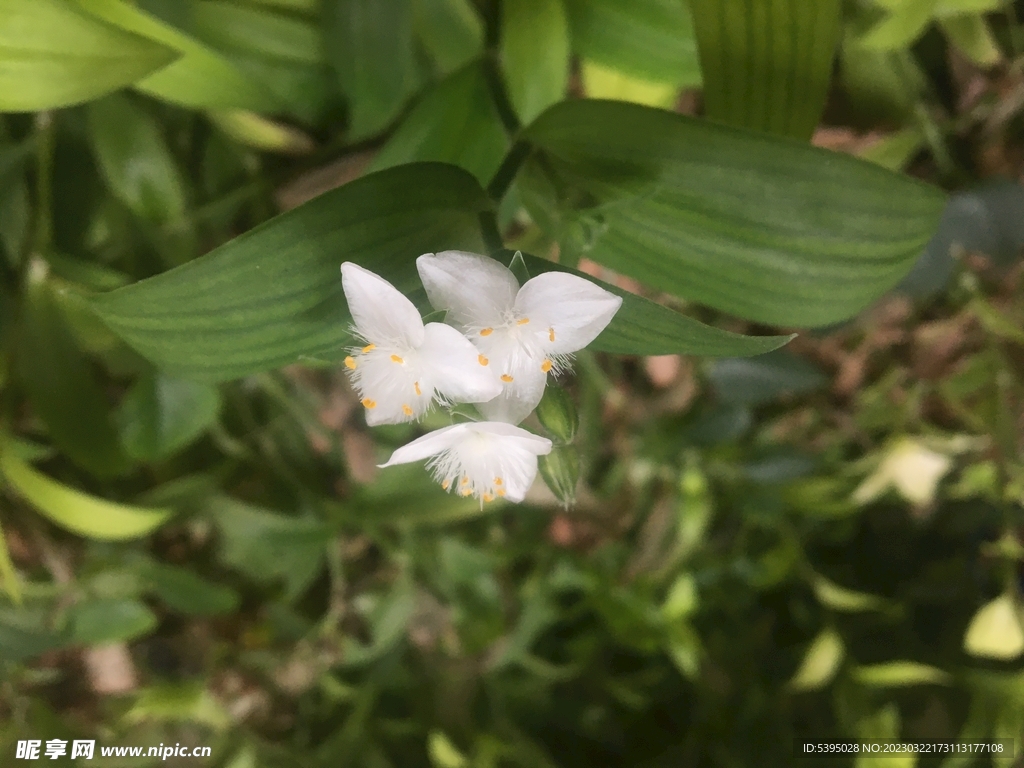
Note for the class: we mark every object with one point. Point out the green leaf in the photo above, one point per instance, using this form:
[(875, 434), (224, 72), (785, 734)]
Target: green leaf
[(187, 593), (456, 122), (60, 384), (273, 296), (901, 27), (601, 82), (229, 26), (179, 703), (267, 546), (369, 45), (160, 415), (648, 39), (110, 620), (200, 79), (971, 34), (820, 662), (450, 30), (845, 600), (26, 633), (767, 63), (761, 227), (894, 674), (52, 55), (135, 161), (641, 327), (259, 132), (534, 54), (764, 379), (76, 511)]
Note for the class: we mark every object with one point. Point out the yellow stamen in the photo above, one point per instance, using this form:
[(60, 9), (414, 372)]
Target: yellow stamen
[(482, 360), (369, 348), (445, 484), (506, 378), (546, 366), (416, 384), (397, 359), (524, 321), (466, 492), (551, 334), (368, 403), (350, 363), (465, 481), (498, 481), (488, 497), (486, 331), (501, 491), (406, 410)]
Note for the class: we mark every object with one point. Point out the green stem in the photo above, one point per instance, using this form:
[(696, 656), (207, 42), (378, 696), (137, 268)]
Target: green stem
[(44, 182)]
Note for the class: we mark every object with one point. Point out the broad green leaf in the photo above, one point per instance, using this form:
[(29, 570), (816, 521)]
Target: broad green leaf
[(267, 546), (273, 296), (995, 632), (76, 511), (200, 79), (641, 327), (60, 384), (369, 45), (456, 122), (108, 620), (601, 82), (902, 26), (765, 228), (135, 161), (53, 55), (895, 674), (764, 379), (534, 54), (648, 39), (450, 30), (971, 34), (767, 63), (896, 150), (188, 593), (820, 662), (229, 26), (160, 415)]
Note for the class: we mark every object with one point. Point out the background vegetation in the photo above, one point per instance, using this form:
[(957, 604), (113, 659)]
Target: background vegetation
[(822, 541)]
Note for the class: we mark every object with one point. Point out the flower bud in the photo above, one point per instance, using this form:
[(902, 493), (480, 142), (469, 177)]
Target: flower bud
[(557, 414), (561, 470)]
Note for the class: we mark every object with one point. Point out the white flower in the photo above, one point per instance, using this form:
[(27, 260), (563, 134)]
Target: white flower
[(521, 333), (405, 364), (484, 459)]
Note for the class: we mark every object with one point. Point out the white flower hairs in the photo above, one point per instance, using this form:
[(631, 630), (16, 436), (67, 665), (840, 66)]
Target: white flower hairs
[(501, 342)]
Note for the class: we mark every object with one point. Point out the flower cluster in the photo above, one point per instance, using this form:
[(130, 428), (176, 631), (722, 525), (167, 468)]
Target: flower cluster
[(499, 345)]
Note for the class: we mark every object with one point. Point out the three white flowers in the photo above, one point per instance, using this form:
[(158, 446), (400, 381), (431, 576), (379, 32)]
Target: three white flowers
[(496, 351)]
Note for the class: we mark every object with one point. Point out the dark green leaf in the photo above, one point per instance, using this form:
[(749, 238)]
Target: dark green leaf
[(229, 26), (369, 45), (187, 593), (61, 386), (765, 228), (534, 54), (765, 378), (450, 30), (52, 55), (455, 123), (273, 296), (648, 39), (26, 633), (135, 161), (267, 546), (767, 63), (160, 415), (110, 620)]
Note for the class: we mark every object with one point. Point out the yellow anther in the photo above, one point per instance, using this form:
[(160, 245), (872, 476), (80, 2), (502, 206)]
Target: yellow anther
[(486, 331), (465, 481), (482, 360), (369, 348), (498, 481), (524, 321), (506, 378), (416, 384), (488, 497), (350, 363), (368, 403), (466, 492), (445, 484), (546, 366), (406, 410), (397, 359), (500, 491), (551, 334)]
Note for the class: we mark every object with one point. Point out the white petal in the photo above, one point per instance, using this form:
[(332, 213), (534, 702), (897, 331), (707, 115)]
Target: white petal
[(569, 308), (520, 396), (431, 444), (454, 366), (527, 441), (381, 313), (476, 291), (394, 385)]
